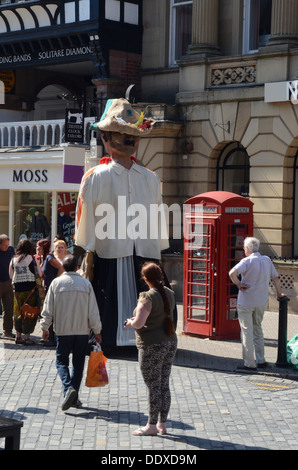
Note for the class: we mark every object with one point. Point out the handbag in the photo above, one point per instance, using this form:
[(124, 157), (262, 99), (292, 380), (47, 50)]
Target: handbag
[(97, 375), (28, 311)]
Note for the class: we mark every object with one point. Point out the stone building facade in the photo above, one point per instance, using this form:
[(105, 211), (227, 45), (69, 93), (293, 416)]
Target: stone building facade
[(230, 138), (233, 86)]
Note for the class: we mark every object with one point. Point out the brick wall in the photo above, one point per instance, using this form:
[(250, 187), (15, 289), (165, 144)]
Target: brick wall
[(126, 66)]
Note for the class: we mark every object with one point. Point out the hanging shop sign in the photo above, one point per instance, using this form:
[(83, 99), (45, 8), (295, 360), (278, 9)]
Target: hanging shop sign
[(74, 125)]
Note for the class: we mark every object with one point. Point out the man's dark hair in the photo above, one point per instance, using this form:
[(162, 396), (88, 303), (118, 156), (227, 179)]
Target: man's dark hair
[(70, 263)]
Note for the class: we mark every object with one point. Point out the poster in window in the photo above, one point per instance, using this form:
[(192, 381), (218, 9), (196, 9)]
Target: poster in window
[(66, 207)]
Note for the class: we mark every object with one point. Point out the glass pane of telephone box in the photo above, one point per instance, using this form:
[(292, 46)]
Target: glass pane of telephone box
[(236, 236), (199, 278)]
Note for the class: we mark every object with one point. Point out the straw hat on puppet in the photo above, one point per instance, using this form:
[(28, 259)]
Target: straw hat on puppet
[(120, 116)]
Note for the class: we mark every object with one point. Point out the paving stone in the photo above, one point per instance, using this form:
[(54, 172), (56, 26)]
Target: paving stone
[(213, 407)]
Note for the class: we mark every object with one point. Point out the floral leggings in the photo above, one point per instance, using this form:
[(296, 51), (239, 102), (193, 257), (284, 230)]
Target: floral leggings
[(156, 363)]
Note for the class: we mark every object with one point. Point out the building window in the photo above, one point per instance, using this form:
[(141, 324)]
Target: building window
[(180, 29), (233, 170), (295, 213), (32, 216), (66, 213), (121, 11), (256, 24)]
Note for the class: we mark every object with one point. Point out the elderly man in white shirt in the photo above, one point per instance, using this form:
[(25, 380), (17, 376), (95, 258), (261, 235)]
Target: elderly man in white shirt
[(118, 219), (255, 272)]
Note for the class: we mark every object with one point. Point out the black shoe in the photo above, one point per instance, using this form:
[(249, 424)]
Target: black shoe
[(71, 397)]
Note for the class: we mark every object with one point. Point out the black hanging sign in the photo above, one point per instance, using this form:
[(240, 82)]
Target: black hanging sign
[(74, 125)]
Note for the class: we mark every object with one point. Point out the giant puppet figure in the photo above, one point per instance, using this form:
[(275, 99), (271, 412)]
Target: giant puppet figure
[(115, 222)]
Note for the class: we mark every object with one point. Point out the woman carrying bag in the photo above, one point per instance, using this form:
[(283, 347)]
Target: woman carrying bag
[(156, 341), (25, 273)]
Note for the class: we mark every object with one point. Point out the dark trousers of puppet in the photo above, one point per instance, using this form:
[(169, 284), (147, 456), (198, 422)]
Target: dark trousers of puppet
[(105, 288)]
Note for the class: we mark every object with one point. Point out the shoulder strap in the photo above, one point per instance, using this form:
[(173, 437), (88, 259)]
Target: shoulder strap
[(30, 294)]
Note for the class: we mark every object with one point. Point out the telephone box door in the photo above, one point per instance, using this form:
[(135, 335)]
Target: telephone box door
[(233, 235), (199, 271)]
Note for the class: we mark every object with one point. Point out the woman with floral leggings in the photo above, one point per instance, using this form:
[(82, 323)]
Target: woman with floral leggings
[(156, 341)]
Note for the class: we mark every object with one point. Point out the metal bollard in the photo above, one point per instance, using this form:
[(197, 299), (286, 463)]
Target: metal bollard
[(282, 332)]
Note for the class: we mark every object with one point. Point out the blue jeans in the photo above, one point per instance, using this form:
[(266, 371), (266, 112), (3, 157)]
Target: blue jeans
[(77, 345)]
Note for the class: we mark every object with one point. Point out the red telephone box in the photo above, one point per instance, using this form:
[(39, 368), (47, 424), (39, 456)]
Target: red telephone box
[(215, 225)]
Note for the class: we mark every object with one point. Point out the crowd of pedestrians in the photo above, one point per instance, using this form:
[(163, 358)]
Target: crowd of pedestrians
[(123, 296), (73, 307)]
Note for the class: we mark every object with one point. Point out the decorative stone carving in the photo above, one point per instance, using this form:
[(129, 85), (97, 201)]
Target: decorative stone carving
[(233, 75)]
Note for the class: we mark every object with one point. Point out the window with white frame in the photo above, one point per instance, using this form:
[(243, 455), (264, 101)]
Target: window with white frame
[(256, 24), (180, 29), (122, 11)]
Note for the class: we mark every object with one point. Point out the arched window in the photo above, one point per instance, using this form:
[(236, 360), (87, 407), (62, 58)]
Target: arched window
[(233, 170), (295, 212)]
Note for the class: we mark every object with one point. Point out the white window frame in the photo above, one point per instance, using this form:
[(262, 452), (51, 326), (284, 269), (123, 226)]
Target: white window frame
[(172, 42), (246, 28)]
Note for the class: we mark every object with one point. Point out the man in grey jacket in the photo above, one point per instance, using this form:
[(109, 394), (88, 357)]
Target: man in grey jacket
[(71, 306)]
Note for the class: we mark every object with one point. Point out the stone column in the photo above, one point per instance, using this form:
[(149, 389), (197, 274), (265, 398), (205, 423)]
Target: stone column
[(204, 28), (284, 22)]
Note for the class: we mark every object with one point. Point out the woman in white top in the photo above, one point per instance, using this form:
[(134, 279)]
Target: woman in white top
[(22, 272)]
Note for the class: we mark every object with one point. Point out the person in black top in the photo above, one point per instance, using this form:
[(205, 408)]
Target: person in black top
[(6, 290)]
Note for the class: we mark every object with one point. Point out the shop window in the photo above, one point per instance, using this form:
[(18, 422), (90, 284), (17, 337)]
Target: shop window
[(233, 170), (66, 211), (257, 24), (180, 29), (32, 217)]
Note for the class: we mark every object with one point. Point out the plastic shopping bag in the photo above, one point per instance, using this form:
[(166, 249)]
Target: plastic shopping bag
[(97, 375), (292, 352)]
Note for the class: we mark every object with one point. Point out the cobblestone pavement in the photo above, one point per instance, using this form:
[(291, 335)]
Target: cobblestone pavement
[(213, 407)]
